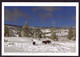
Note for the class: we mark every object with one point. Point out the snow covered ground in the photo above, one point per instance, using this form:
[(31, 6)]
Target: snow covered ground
[(21, 44)]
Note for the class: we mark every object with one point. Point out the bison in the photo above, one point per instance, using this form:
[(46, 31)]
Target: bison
[(46, 42), (34, 43), (43, 41)]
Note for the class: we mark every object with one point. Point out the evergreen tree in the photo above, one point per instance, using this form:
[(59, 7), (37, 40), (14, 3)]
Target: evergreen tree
[(75, 32), (6, 31), (43, 35), (25, 30), (74, 37), (19, 34), (70, 33), (37, 33), (53, 34), (10, 33)]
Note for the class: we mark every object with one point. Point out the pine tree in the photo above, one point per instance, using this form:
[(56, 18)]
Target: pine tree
[(6, 31), (37, 33), (19, 34), (10, 33), (43, 35), (74, 33), (25, 30), (70, 33), (53, 34)]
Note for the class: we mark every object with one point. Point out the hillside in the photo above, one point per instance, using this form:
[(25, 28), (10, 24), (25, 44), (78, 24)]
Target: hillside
[(46, 30)]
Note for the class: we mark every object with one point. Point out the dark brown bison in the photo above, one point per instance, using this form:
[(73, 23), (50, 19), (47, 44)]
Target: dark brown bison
[(34, 43), (46, 42)]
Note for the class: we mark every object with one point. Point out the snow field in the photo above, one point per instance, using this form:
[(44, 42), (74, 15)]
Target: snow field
[(25, 45)]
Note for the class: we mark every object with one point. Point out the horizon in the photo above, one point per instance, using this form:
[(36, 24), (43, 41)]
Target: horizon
[(41, 16), (41, 27)]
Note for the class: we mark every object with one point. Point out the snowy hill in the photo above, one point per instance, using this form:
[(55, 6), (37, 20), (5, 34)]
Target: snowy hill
[(60, 32)]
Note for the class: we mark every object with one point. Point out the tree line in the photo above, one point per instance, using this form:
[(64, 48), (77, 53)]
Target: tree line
[(37, 33)]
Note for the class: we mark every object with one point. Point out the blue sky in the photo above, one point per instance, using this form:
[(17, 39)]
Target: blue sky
[(41, 16)]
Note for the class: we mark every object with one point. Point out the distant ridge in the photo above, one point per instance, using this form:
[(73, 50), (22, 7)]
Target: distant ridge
[(31, 26), (21, 26), (12, 25)]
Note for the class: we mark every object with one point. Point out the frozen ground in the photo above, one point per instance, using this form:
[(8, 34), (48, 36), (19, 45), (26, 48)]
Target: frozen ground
[(20, 44)]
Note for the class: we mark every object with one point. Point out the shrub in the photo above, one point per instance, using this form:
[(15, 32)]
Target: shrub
[(70, 33), (5, 40)]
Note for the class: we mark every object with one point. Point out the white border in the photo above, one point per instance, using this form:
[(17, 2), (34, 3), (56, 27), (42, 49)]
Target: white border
[(41, 4)]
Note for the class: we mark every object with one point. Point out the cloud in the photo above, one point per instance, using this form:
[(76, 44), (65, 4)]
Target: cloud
[(8, 15), (46, 8), (47, 12), (50, 15), (15, 14), (45, 15)]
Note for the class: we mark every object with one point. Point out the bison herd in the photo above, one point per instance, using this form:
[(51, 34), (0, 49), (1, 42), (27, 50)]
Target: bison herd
[(44, 42)]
